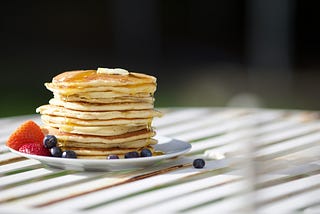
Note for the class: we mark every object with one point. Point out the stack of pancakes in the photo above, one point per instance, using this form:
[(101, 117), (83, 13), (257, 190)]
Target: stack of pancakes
[(99, 113)]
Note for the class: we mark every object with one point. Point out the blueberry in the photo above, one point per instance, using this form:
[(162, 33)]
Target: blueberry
[(69, 154), (145, 153), (199, 163), (49, 141), (112, 157), (56, 152), (131, 155)]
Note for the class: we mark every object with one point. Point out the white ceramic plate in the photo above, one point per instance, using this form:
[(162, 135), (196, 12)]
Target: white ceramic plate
[(170, 147)]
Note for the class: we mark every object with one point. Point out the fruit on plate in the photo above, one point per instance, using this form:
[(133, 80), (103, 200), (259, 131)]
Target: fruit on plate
[(28, 132), (145, 153), (49, 141), (69, 154), (131, 155), (34, 149), (56, 152), (109, 157)]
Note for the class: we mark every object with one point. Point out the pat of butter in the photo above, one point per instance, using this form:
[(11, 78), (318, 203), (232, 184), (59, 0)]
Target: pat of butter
[(117, 71)]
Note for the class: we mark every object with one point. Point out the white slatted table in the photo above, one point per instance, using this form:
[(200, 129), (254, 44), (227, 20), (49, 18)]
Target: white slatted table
[(257, 160)]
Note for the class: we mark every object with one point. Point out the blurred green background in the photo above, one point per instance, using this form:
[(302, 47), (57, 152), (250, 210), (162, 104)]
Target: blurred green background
[(252, 53)]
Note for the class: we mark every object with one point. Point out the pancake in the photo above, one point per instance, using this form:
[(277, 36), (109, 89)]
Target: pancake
[(103, 95), (102, 152), (65, 120), (116, 139), (132, 144), (124, 99), (84, 106), (107, 115), (97, 130), (91, 78), (130, 89), (95, 157)]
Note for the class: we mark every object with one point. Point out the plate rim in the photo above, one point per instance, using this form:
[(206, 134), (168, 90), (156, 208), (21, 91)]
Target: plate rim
[(56, 160)]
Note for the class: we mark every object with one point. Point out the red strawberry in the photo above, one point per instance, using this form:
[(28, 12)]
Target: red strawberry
[(28, 132), (34, 149)]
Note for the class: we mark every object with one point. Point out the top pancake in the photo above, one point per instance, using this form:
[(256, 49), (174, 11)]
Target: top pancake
[(90, 78)]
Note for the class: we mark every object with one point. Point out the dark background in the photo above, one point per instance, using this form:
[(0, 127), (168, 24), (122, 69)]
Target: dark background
[(204, 53)]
